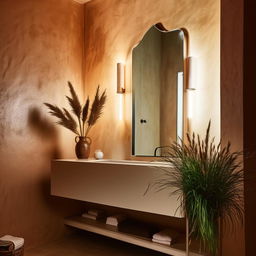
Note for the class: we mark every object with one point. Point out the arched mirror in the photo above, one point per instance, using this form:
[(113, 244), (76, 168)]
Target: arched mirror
[(157, 91)]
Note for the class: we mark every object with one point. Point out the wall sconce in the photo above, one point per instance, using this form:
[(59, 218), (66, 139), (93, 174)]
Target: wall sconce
[(191, 63), (120, 78)]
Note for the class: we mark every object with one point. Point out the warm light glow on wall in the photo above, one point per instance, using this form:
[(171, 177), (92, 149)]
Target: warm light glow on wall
[(120, 78), (120, 107), (190, 110)]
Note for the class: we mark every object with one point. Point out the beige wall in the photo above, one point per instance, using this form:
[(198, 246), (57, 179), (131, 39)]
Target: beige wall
[(41, 47), (111, 35)]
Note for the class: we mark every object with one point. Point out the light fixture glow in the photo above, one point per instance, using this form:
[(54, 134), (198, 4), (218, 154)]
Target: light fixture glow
[(120, 78)]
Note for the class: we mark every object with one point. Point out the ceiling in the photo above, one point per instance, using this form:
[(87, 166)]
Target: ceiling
[(82, 1)]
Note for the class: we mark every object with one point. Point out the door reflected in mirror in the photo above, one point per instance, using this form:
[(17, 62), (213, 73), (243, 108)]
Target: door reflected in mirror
[(157, 91)]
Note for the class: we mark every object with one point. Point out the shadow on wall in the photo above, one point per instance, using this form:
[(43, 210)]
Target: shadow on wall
[(45, 130)]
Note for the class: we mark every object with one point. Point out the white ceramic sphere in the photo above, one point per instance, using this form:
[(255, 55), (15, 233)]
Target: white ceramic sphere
[(98, 154)]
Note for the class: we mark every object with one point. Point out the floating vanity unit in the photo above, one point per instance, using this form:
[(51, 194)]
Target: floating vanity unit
[(115, 183)]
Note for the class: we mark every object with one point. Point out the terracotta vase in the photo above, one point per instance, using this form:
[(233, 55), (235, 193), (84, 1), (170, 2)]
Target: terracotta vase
[(82, 147)]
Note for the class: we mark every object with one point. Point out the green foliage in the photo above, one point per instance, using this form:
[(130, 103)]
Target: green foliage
[(209, 180), (81, 113)]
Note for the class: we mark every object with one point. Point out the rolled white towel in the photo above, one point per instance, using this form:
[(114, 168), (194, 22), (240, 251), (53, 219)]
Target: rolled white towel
[(115, 220), (161, 242), (167, 235), (18, 241)]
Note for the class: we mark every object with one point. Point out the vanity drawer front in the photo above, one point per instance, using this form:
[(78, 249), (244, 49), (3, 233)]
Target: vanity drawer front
[(116, 185)]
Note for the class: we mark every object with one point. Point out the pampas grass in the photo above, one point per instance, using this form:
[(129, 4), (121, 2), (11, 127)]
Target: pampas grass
[(86, 117)]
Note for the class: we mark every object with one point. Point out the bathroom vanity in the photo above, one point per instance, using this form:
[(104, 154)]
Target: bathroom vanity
[(118, 183)]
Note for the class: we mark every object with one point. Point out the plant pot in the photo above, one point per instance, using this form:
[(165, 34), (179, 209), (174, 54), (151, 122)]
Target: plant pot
[(82, 147)]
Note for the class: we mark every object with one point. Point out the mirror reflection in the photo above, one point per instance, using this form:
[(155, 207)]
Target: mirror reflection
[(157, 82)]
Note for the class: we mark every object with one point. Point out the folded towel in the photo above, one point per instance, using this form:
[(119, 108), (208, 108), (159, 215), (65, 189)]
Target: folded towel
[(93, 214), (18, 241), (97, 213), (167, 235), (115, 220), (89, 216), (161, 242)]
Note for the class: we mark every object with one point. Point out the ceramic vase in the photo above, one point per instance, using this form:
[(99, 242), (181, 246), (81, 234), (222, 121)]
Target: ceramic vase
[(82, 147)]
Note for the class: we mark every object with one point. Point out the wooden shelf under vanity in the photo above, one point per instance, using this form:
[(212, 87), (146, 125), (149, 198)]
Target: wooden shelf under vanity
[(99, 227)]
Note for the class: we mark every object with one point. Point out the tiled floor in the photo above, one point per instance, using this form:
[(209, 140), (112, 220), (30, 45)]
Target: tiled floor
[(88, 244)]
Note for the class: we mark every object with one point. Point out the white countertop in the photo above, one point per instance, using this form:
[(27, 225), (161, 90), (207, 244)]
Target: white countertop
[(120, 162)]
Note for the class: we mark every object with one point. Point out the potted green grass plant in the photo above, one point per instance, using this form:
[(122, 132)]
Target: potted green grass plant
[(82, 119), (208, 179)]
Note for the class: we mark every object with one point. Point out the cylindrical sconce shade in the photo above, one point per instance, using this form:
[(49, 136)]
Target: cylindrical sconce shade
[(191, 73), (120, 78)]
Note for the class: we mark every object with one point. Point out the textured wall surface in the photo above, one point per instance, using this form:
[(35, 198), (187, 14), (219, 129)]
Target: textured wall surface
[(238, 107), (232, 99), (249, 124), (110, 37), (41, 47)]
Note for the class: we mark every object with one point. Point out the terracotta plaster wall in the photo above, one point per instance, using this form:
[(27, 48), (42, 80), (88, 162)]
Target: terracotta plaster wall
[(41, 47), (232, 124), (114, 27), (238, 107)]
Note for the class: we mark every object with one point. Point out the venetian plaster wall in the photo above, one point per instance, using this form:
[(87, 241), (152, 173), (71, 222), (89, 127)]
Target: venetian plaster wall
[(238, 107), (114, 27), (41, 47), (232, 124)]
